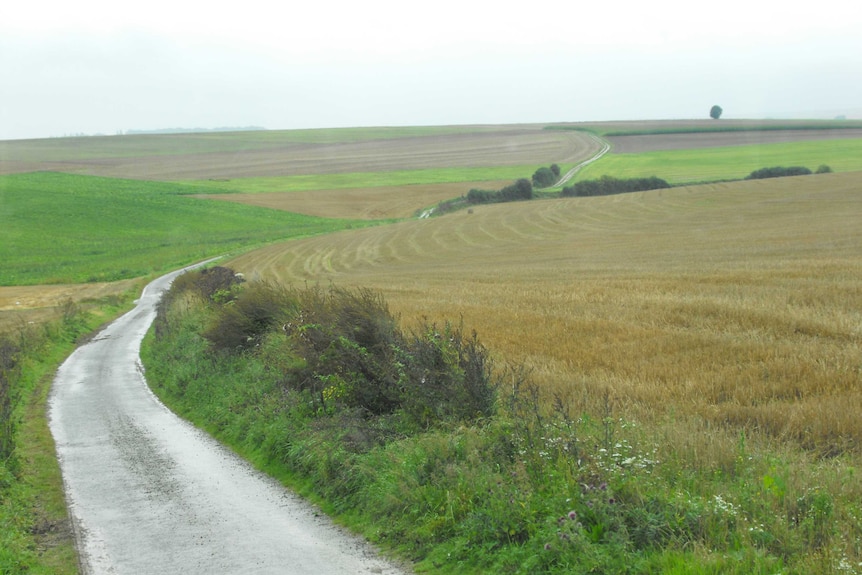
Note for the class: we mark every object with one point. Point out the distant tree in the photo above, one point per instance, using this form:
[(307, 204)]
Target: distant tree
[(556, 169), (544, 178), (823, 169), (715, 112)]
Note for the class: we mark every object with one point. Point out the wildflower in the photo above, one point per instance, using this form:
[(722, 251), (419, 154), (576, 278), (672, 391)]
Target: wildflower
[(603, 486), (573, 515), (612, 500), (547, 546)]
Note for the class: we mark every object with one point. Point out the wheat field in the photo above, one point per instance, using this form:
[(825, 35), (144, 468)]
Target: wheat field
[(732, 306)]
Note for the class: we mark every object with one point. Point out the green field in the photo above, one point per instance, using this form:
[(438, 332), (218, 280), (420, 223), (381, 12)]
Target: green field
[(727, 163), (301, 183), (60, 228)]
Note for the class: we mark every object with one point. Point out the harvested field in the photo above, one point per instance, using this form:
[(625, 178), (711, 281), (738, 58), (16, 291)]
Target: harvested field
[(359, 203), (656, 142), (513, 146), (737, 303), (22, 304)]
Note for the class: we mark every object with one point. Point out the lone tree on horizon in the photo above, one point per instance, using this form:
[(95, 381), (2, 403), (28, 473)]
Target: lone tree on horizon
[(715, 112)]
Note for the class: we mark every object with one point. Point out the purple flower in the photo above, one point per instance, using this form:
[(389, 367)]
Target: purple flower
[(547, 546), (573, 515), (603, 486)]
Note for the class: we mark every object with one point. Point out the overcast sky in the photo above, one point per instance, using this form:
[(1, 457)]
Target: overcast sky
[(96, 66)]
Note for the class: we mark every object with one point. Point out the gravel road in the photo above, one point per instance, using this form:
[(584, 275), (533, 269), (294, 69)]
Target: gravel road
[(150, 493)]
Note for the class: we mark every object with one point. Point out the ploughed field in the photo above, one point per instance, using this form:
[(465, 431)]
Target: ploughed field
[(220, 156)]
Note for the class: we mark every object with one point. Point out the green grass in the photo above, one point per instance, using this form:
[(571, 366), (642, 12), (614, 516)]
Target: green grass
[(60, 228), (727, 163), (301, 183)]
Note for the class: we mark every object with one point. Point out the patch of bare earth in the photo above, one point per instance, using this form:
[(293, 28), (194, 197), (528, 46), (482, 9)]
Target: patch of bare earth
[(386, 202)]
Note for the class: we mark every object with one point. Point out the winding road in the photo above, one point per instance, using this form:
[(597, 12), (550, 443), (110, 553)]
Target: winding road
[(150, 493)]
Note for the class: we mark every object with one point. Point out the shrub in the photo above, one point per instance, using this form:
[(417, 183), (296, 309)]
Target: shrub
[(241, 325), (348, 341), (448, 376), (475, 196), (522, 189), (344, 350), (823, 169), (544, 178), (778, 172)]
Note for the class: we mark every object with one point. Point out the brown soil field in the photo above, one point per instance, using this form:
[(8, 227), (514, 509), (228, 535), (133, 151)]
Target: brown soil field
[(512, 146), (736, 304), (377, 203), (652, 143)]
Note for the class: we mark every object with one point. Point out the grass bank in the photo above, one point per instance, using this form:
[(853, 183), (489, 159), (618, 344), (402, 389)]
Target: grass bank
[(538, 485), (35, 533)]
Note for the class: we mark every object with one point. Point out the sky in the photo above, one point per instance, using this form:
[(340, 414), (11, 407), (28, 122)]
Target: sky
[(105, 67)]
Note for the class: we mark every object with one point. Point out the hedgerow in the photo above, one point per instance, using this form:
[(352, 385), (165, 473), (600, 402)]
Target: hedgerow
[(608, 185)]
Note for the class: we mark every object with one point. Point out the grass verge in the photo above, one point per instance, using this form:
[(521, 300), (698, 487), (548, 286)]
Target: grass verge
[(35, 533)]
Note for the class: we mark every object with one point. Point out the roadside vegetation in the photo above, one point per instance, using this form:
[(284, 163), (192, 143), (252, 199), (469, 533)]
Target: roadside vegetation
[(36, 536)]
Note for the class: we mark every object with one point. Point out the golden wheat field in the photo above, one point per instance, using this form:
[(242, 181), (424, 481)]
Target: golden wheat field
[(733, 305)]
